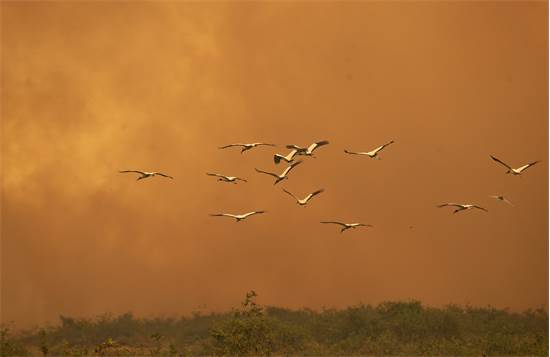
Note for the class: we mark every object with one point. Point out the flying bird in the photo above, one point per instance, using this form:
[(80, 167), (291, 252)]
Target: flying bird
[(501, 198), (462, 207), (309, 150), (238, 217), (146, 174), (224, 178), (347, 226), (283, 176), (245, 147), (511, 170), (288, 158), (304, 201), (372, 154)]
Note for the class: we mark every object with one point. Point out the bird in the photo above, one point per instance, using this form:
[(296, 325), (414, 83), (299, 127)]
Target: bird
[(462, 207), (146, 174), (224, 178), (309, 150), (246, 147), (238, 217), (347, 226), (372, 154), (283, 176), (305, 200), (517, 171), (501, 198), (288, 158)]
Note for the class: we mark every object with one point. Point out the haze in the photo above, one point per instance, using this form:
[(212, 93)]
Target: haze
[(89, 89)]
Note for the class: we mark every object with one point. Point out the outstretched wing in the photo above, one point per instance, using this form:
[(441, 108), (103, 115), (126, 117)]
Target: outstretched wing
[(290, 193), (252, 213), (291, 155), (332, 222), (507, 201), (240, 179), (382, 147), (287, 170), (137, 172), (264, 144), (224, 215), (481, 208), (163, 175), (267, 173), (449, 204), (316, 145), (500, 162), (295, 147), (313, 194), (525, 167), (231, 145), (355, 152), (364, 225), (217, 175), (288, 158)]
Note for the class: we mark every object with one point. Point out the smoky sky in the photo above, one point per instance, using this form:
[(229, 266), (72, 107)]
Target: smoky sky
[(89, 89)]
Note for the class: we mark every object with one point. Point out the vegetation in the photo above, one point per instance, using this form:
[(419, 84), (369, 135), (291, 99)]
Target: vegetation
[(391, 328)]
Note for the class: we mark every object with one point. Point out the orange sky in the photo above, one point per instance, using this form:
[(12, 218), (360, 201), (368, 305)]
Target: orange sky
[(92, 88)]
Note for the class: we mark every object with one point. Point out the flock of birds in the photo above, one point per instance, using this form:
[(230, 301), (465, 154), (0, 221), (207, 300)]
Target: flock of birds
[(308, 152)]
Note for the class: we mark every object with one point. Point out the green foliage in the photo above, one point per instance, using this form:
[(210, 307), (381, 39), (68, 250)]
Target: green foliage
[(8, 346), (391, 328), (247, 332)]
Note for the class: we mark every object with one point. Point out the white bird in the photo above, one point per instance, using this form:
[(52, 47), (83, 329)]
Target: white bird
[(246, 147), (517, 171), (146, 174), (501, 198), (282, 176), (309, 150), (288, 158), (226, 178), (372, 154), (305, 200), (348, 225), (462, 207), (238, 217)]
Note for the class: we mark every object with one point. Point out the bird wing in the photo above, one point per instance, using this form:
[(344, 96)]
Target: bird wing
[(481, 208), (265, 144), (267, 173), (355, 152), (291, 154), (364, 225), (500, 162), (525, 167), (241, 179), (224, 215), (217, 175), (296, 198), (137, 172), (295, 147), (507, 201), (381, 147), (288, 158), (316, 145), (450, 204), (313, 194), (163, 175), (287, 170), (231, 145), (252, 213), (332, 222)]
